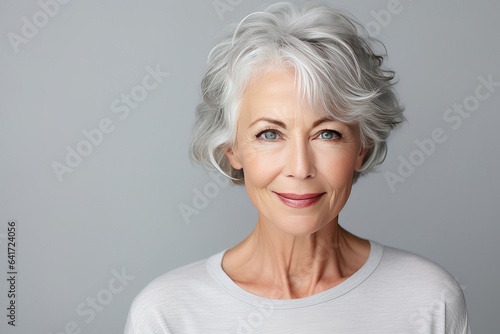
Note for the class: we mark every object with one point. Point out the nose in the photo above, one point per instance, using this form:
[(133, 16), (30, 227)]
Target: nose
[(299, 160)]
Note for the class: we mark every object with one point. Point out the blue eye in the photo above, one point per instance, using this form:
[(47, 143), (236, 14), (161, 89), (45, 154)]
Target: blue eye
[(268, 135), (329, 135)]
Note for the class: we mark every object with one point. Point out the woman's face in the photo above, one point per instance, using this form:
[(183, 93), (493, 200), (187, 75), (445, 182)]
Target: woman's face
[(298, 165)]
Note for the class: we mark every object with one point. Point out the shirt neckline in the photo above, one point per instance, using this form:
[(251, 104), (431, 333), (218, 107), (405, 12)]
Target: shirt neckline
[(214, 266)]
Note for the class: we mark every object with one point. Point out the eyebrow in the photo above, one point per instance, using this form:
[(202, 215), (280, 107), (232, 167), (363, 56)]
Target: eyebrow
[(323, 120), (269, 120), (283, 125)]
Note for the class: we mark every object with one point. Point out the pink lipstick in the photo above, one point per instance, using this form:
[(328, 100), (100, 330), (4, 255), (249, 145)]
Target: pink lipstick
[(299, 201)]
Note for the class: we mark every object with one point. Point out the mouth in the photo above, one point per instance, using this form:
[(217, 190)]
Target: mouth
[(299, 201)]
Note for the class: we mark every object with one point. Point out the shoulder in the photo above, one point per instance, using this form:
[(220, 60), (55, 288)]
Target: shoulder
[(398, 263), (184, 280), (432, 292), (168, 294)]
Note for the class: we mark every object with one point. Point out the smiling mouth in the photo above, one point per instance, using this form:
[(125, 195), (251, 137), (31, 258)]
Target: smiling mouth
[(299, 201)]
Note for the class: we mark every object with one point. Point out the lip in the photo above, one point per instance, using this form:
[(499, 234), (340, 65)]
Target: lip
[(299, 200)]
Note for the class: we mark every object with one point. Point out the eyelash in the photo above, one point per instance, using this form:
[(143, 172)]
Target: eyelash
[(337, 134), (264, 130), (270, 129)]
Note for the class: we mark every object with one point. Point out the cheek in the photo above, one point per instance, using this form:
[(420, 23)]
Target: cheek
[(338, 168), (260, 167)]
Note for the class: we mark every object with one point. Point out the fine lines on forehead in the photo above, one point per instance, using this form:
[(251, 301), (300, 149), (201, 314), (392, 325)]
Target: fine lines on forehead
[(283, 125)]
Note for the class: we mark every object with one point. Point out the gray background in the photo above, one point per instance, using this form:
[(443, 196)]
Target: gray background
[(119, 208)]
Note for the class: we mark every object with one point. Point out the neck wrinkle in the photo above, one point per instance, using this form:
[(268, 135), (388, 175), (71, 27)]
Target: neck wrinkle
[(295, 267)]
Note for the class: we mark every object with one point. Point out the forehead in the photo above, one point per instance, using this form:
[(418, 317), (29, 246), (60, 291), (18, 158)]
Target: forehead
[(271, 81), (273, 90), (273, 94)]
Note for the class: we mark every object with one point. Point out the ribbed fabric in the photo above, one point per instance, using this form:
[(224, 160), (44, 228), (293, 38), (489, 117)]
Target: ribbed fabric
[(393, 292)]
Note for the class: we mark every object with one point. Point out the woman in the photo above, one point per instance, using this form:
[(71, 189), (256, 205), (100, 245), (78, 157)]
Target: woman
[(297, 107)]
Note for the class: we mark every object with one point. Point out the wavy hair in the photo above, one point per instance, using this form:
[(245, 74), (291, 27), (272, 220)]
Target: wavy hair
[(335, 68)]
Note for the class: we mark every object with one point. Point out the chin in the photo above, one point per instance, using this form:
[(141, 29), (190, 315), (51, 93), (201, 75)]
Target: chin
[(299, 226)]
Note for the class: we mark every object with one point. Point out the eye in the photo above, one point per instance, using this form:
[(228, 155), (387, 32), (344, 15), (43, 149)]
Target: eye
[(329, 135), (268, 135)]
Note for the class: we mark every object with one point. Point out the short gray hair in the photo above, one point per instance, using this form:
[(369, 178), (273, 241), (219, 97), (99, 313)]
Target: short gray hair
[(335, 68)]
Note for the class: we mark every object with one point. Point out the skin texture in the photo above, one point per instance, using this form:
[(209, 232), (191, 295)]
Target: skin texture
[(284, 146)]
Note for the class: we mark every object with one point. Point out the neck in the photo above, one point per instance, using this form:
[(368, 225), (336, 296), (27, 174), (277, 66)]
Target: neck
[(282, 266)]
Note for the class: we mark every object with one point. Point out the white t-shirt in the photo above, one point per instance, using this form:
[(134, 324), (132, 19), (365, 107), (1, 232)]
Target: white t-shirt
[(393, 292)]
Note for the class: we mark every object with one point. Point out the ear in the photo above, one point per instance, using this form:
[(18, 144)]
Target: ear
[(232, 156), (360, 159)]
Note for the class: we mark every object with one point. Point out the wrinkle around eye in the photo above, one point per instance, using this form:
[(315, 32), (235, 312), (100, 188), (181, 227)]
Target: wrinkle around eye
[(262, 135), (335, 135)]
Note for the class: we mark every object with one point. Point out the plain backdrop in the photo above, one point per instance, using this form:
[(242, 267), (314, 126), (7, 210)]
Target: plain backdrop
[(91, 238)]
